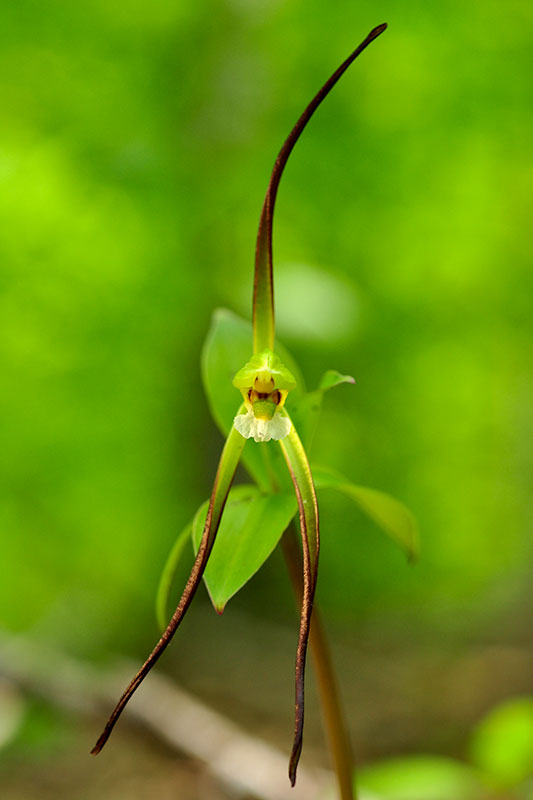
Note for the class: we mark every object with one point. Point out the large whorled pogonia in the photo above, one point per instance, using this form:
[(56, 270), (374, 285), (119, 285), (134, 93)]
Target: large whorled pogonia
[(264, 383)]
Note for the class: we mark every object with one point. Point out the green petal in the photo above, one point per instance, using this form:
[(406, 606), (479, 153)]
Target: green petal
[(300, 472), (250, 529), (393, 517), (223, 480), (265, 361)]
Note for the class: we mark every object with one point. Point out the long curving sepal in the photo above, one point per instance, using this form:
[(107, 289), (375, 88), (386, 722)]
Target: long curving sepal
[(263, 302), (223, 480), (302, 479)]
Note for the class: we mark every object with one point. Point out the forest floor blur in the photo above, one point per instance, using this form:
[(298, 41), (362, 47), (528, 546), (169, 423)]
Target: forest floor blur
[(399, 700)]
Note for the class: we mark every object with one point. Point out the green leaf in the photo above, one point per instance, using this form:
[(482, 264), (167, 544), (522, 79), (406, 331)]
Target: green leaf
[(251, 527), (393, 517), (305, 413), (305, 410), (300, 472), (502, 744), (167, 576), (227, 348), (332, 378), (421, 778)]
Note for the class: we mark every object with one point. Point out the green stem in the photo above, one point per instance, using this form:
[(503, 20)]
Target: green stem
[(334, 721)]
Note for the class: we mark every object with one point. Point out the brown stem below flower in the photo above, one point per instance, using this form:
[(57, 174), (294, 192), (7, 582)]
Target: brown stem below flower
[(334, 721)]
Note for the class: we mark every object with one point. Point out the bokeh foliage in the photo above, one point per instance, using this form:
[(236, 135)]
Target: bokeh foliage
[(136, 142)]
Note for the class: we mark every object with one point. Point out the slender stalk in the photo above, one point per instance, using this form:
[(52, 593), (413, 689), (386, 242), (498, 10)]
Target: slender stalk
[(334, 721)]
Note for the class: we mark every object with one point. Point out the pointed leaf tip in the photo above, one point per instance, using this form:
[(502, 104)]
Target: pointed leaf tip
[(224, 477), (332, 378), (250, 529)]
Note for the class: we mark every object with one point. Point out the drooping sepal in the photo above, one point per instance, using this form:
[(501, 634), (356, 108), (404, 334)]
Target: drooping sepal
[(223, 480), (302, 479)]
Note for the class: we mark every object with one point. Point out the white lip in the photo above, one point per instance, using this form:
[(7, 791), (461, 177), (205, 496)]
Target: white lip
[(262, 430)]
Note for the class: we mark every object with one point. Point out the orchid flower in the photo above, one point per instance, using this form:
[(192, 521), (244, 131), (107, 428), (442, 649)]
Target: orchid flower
[(265, 383)]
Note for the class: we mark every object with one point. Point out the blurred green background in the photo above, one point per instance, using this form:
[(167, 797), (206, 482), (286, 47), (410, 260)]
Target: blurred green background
[(136, 144)]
